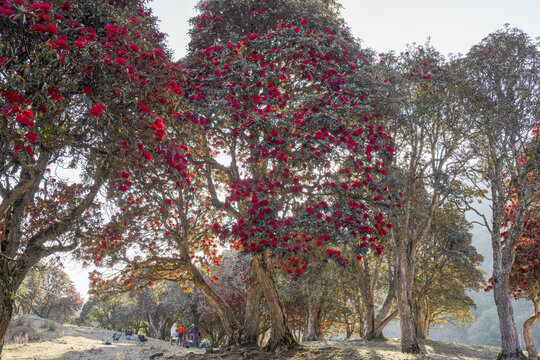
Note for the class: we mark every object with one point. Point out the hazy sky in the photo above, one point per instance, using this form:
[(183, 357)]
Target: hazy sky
[(383, 25)]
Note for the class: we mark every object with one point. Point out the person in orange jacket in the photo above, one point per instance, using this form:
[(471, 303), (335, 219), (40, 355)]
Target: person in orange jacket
[(180, 332)]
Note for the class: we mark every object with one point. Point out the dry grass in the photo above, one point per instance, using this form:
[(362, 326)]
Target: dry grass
[(45, 339), (30, 329)]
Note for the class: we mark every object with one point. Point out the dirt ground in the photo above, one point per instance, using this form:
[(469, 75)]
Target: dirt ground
[(355, 350), (48, 340)]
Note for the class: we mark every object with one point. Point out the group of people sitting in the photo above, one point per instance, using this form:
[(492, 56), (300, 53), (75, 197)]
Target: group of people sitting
[(178, 337), (128, 336)]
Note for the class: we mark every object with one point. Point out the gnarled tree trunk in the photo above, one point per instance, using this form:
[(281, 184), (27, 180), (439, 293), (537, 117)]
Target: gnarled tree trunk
[(281, 335), (228, 319), (253, 303)]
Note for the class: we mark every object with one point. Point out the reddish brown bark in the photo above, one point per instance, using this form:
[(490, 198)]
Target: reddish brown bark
[(281, 336)]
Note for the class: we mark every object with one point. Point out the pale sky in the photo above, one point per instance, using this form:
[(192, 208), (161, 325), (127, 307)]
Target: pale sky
[(383, 25)]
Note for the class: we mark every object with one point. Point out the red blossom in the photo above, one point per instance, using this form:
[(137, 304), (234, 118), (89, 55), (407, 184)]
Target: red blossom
[(51, 28), (31, 136), (97, 110)]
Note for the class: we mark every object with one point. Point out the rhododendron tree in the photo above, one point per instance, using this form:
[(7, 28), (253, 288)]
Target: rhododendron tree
[(284, 104), (49, 293), (426, 123), (162, 231), (502, 92), (77, 83)]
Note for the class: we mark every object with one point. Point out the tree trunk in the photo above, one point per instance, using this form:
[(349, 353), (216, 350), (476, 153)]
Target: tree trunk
[(195, 316), (313, 322), (158, 329), (228, 319), (409, 341), (365, 290), (419, 319), (213, 340), (6, 311), (383, 318), (362, 321), (152, 325), (509, 339), (10, 280), (253, 304), (281, 336), (527, 336), (161, 329), (361, 329), (349, 330), (427, 323)]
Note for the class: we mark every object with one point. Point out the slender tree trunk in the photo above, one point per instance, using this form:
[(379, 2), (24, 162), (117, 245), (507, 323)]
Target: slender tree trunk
[(361, 329), (382, 318), (527, 336), (349, 330), (503, 258), (228, 319), (152, 325), (427, 323), (409, 341), (281, 335), (195, 316), (313, 321), (253, 305), (509, 338), (158, 329), (362, 320), (161, 329), (367, 296), (419, 319)]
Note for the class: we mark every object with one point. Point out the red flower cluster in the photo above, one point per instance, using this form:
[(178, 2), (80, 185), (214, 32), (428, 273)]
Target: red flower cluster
[(97, 110)]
